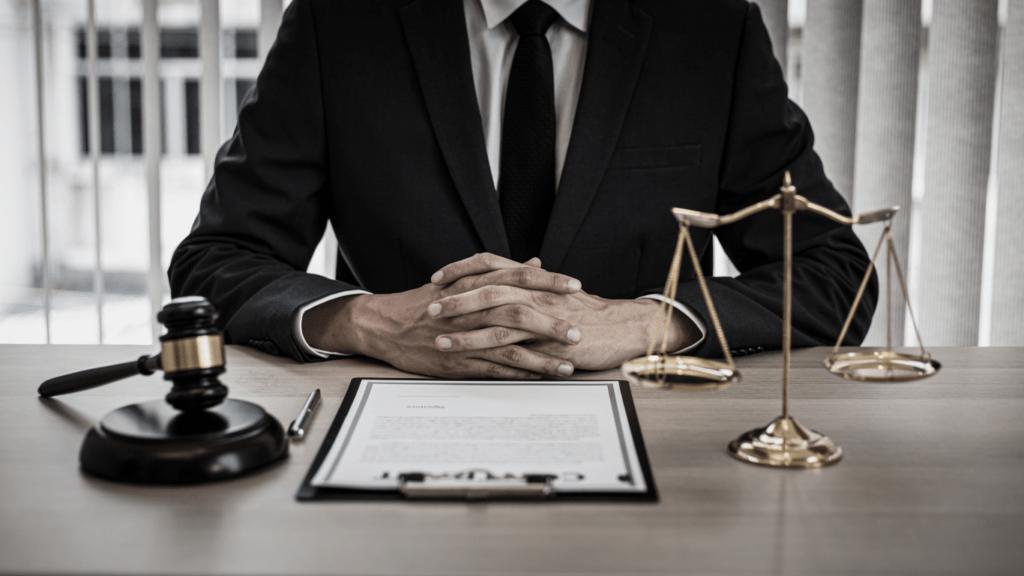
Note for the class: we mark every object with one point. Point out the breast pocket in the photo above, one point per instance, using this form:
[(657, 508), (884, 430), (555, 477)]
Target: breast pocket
[(659, 157)]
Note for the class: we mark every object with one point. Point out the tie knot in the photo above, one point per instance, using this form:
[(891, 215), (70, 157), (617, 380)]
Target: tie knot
[(533, 18)]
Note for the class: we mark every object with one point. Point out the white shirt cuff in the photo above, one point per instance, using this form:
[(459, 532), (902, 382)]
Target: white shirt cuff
[(689, 314), (297, 324)]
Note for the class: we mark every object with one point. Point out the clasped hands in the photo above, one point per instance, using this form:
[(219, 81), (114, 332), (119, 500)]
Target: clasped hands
[(487, 316)]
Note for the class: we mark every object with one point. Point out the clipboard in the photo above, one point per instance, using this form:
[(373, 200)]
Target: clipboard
[(535, 487)]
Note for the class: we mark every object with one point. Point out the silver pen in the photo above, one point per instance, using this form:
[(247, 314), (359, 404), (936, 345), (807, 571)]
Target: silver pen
[(297, 430)]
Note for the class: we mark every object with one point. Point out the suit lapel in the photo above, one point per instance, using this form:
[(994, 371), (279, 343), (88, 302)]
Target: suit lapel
[(615, 50), (436, 32)]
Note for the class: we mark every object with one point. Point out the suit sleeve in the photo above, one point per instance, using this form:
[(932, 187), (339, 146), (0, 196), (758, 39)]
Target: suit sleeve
[(266, 207), (767, 135)]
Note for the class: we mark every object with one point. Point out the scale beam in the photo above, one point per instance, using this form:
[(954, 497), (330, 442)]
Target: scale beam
[(798, 203)]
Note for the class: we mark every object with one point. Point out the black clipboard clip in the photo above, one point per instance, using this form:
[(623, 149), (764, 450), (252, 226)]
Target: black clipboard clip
[(475, 484)]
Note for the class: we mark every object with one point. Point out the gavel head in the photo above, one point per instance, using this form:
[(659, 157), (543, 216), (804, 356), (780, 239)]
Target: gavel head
[(192, 353)]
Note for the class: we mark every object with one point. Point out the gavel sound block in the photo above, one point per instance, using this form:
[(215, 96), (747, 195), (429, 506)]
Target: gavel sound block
[(196, 434)]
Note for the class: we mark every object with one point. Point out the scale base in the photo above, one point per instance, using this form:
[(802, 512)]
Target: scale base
[(784, 443), (153, 443)]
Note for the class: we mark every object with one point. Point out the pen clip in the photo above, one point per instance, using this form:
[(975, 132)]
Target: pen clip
[(297, 429)]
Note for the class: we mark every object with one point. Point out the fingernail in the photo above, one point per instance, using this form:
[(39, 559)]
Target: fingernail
[(573, 335), (444, 343), (434, 309), (575, 285), (436, 278), (565, 370)]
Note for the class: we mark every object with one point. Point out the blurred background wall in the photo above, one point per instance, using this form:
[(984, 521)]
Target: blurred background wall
[(916, 103)]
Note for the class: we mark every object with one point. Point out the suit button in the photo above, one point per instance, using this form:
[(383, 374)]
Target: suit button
[(264, 346)]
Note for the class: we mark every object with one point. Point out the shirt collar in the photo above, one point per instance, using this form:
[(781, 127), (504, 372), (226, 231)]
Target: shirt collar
[(572, 11)]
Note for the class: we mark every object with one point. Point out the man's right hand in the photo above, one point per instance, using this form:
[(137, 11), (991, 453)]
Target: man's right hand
[(398, 329)]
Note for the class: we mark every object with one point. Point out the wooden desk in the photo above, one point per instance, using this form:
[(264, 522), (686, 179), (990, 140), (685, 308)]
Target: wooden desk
[(932, 482)]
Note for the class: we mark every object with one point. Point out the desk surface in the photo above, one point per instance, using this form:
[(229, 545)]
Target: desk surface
[(933, 485)]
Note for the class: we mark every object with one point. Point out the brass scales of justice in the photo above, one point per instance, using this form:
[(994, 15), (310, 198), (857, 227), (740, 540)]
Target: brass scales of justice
[(784, 442)]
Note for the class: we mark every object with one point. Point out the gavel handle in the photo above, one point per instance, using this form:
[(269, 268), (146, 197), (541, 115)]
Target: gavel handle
[(94, 377)]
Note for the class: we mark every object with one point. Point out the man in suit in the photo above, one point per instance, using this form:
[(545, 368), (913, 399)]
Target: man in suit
[(500, 174)]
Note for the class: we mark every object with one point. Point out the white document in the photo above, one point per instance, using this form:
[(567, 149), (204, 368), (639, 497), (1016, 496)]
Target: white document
[(576, 431)]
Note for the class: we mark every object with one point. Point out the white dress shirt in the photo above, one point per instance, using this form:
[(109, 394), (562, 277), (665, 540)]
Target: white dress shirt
[(492, 45)]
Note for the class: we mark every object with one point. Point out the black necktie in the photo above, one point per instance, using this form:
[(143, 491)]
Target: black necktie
[(526, 184)]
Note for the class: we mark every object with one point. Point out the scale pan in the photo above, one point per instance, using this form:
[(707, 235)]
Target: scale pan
[(881, 366), (679, 373)]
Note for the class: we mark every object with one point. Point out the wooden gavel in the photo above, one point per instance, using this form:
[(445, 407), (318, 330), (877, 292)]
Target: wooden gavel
[(191, 356)]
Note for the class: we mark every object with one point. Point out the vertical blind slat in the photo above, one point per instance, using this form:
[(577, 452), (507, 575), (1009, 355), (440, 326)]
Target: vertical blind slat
[(93, 97), (1007, 295), (962, 79), (37, 33), (776, 20), (831, 64), (886, 124), (270, 21), (153, 139), (210, 83)]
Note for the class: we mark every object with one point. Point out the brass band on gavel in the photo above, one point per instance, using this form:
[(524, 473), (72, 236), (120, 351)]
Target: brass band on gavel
[(195, 353)]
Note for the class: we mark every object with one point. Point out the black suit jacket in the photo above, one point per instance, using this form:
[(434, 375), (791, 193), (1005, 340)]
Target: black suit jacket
[(365, 116)]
